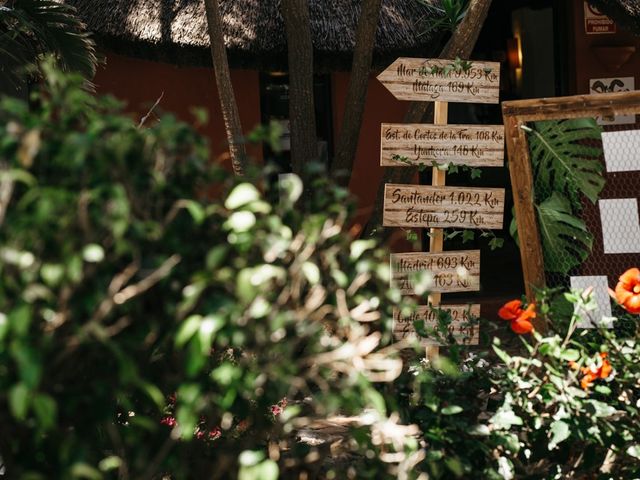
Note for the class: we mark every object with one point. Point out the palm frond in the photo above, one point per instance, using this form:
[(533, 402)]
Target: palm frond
[(32, 28), (565, 159)]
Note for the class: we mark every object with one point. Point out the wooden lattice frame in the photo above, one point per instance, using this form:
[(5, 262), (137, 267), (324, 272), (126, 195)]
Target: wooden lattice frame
[(520, 112)]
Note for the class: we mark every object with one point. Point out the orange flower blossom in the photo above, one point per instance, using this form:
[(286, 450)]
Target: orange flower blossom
[(592, 373), (627, 291), (520, 318)]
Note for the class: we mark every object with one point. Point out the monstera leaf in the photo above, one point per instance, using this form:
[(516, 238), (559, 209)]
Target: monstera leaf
[(566, 242), (562, 162)]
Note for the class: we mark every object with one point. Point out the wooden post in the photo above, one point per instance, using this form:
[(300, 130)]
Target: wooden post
[(436, 242)]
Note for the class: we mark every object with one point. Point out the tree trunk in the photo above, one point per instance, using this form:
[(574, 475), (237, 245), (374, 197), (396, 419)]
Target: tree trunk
[(357, 92), (461, 45), (228, 103), (302, 118)]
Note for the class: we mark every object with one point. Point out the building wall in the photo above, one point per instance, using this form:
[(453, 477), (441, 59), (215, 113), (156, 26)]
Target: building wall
[(380, 107), (597, 55), (140, 83)]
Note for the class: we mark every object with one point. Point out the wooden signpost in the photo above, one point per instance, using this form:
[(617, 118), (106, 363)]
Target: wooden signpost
[(442, 207), (418, 144), (461, 327), (451, 271), (436, 206), (426, 80)]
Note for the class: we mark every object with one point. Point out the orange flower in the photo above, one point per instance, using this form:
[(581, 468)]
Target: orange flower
[(510, 310), (591, 374), (520, 319), (628, 290)]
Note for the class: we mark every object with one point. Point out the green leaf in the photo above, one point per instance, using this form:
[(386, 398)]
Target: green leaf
[(311, 272), (226, 374), (290, 188), (634, 451), (93, 253), (85, 471), (468, 235), (249, 458), (241, 195), (241, 221), (196, 210), (110, 463), (46, 410), (496, 242), (504, 419), (208, 328), (376, 400), (452, 410), (505, 468), (571, 355), (266, 470), (187, 330), (566, 242), (52, 273), (19, 401), (560, 431), (358, 247), (562, 163)]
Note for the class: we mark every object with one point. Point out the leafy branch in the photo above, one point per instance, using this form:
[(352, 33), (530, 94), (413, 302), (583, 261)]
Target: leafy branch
[(448, 167), (566, 166)]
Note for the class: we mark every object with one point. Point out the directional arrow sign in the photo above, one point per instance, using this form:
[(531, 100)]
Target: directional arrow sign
[(415, 144), (442, 207), (462, 328), (428, 80), (450, 271)]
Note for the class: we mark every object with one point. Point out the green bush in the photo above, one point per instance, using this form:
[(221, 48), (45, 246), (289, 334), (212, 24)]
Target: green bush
[(148, 328), (565, 406)]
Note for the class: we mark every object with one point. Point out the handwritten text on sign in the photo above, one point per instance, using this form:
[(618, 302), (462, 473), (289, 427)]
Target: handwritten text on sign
[(413, 144), (429, 80), (451, 271), (461, 328), (442, 207)]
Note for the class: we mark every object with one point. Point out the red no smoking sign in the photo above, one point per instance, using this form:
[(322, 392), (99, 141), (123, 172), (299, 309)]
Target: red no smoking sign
[(596, 22)]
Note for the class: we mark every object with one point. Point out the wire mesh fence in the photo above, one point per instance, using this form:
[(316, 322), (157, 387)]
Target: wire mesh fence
[(586, 186)]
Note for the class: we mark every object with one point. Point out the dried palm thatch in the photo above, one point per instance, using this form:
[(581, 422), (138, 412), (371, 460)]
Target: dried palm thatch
[(625, 13), (176, 30)]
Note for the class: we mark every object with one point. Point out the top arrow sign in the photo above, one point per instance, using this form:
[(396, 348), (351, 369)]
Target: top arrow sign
[(429, 80)]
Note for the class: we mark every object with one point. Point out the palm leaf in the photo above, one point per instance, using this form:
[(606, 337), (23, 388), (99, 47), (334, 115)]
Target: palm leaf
[(566, 242), (563, 163), (30, 28)]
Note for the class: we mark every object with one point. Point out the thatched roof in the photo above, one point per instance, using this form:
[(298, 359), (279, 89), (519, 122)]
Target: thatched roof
[(176, 30), (625, 13)]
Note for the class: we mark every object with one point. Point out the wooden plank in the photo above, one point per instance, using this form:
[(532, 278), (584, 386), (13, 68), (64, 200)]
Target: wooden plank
[(523, 198), (428, 80), (463, 331), (575, 106), (436, 235), (442, 207), (456, 271), (472, 145)]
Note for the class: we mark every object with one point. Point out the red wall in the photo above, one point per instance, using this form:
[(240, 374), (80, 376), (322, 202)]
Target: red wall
[(380, 107), (140, 83), (588, 65)]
